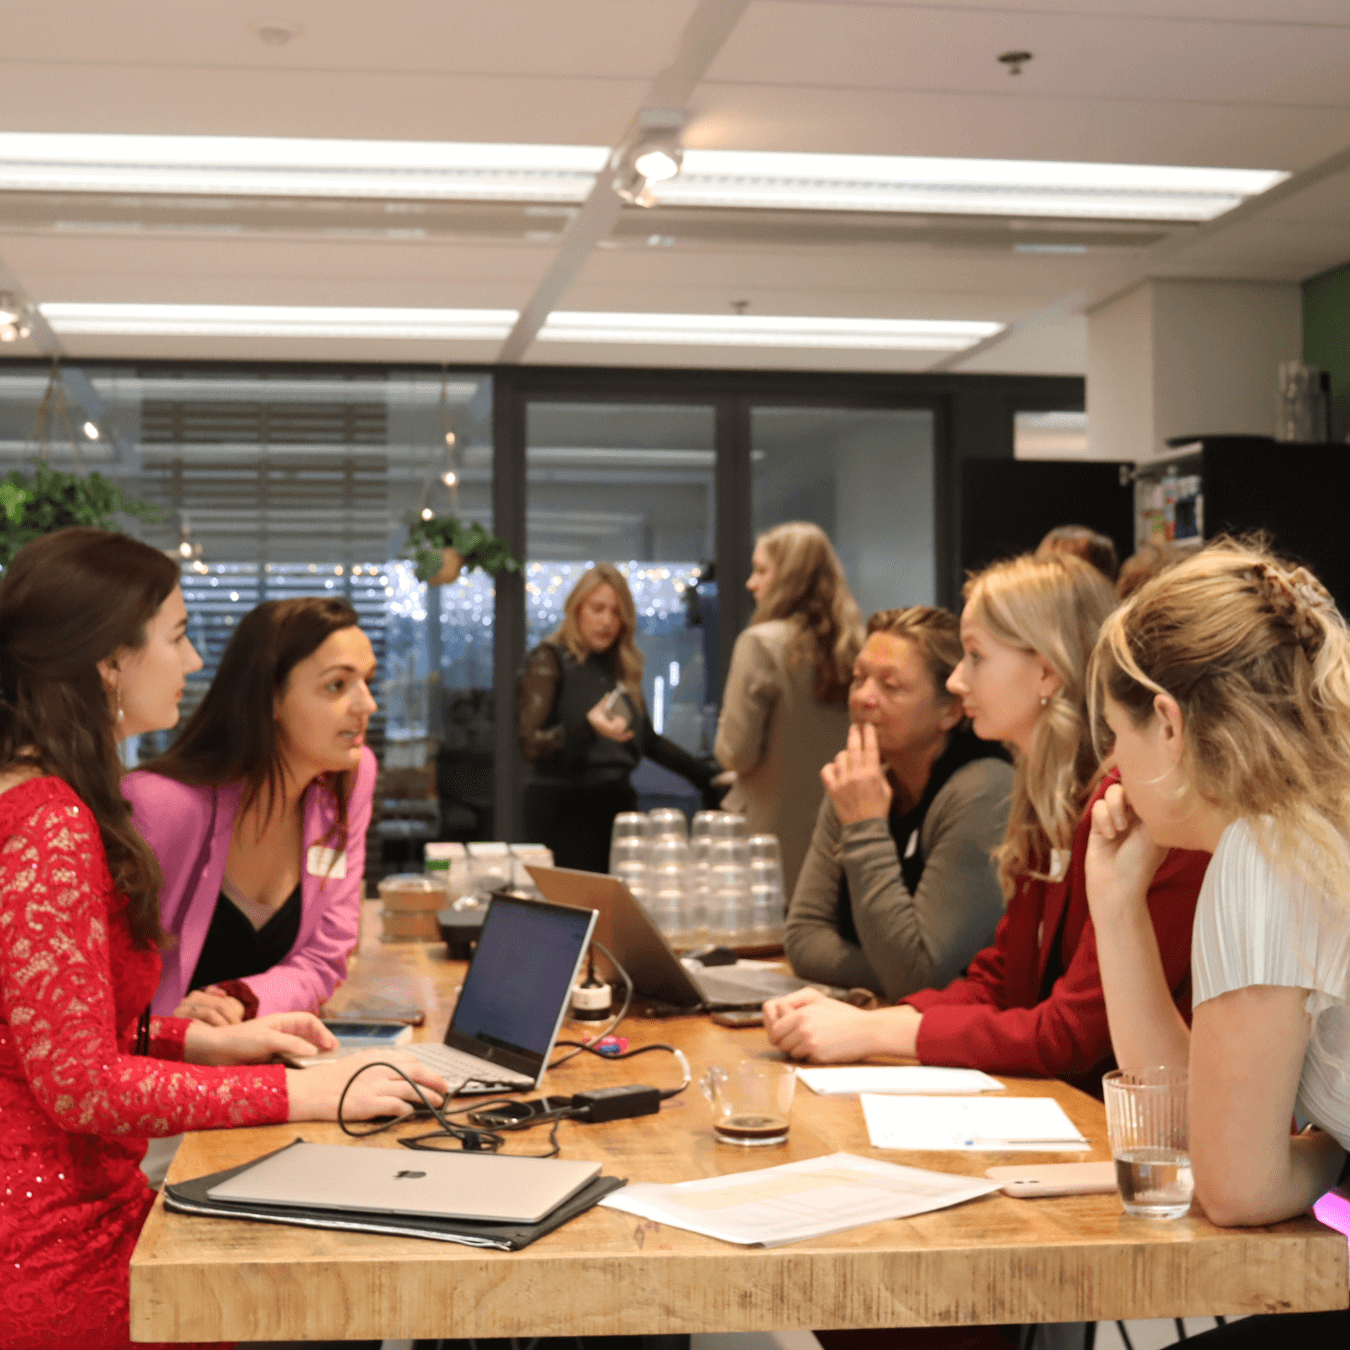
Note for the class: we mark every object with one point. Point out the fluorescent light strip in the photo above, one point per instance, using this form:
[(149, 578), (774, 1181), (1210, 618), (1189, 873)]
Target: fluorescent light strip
[(472, 171), (730, 178), (744, 330), (298, 321), (731, 330), (281, 166)]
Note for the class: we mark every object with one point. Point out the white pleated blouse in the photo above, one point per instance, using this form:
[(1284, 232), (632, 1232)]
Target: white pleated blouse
[(1257, 926)]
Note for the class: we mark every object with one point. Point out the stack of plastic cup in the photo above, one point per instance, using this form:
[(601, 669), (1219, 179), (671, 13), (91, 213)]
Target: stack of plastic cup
[(767, 902), (711, 882), (668, 876), (628, 851), (729, 889)]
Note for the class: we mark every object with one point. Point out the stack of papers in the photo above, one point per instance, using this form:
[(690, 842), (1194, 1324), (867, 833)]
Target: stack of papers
[(851, 1080), (998, 1124), (797, 1200)]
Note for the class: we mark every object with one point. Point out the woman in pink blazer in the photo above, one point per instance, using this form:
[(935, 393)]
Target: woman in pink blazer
[(258, 817)]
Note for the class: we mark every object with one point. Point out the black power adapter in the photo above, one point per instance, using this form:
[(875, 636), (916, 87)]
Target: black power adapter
[(616, 1103)]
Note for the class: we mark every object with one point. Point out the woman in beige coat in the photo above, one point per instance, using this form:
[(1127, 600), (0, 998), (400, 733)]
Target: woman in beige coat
[(785, 706)]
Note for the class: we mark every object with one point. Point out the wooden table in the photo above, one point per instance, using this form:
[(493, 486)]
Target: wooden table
[(994, 1260)]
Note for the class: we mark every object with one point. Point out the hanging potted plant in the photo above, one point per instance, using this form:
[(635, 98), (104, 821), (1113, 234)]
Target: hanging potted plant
[(52, 500), (442, 548)]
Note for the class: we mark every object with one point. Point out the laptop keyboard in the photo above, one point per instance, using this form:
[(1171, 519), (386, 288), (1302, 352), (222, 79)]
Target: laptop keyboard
[(468, 1071)]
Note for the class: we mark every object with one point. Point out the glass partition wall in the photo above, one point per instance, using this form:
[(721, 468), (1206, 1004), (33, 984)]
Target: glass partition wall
[(282, 480)]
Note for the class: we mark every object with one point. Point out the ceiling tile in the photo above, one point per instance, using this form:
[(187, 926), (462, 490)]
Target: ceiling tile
[(341, 104), (881, 122), (575, 39), (1083, 55)]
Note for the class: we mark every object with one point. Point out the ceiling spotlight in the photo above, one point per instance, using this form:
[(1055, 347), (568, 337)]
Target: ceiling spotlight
[(185, 549), (91, 431), (1014, 61), (450, 478), (654, 155)]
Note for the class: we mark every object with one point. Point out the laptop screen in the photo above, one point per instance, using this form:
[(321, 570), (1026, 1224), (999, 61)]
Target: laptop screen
[(521, 975)]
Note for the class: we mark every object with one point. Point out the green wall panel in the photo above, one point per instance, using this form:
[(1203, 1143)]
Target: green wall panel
[(1326, 338)]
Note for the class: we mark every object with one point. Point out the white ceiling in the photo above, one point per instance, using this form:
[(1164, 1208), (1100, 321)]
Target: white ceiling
[(1240, 83)]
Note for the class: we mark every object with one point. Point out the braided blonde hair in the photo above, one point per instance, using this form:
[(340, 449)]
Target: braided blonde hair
[(1257, 656), (1052, 606)]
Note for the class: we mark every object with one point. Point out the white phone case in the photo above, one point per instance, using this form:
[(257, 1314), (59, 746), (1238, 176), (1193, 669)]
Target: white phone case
[(1029, 1183)]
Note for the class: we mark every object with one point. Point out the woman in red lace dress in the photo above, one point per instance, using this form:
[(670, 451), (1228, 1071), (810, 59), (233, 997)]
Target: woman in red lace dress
[(93, 647)]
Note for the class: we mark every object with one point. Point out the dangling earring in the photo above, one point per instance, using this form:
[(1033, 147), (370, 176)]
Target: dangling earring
[(1045, 702), (120, 713)]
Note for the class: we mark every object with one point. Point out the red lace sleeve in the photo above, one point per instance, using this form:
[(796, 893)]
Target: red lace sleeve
[(57, 995)]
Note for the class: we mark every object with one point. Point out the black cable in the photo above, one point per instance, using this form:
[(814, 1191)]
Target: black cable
[(623, 1010), (473, 1140), (666, 1093)]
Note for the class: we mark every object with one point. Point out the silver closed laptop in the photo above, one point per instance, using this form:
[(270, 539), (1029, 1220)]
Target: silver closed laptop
[(482, 1186)]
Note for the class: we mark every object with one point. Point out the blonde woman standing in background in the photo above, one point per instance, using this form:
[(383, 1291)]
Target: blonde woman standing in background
[(584, 726), (785, 706)]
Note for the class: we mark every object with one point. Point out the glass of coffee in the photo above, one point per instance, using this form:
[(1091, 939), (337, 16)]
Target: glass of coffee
[(1148, 1120), (751, 1101)]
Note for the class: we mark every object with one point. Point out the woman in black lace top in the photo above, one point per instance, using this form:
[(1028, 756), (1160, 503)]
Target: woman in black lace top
[(584, 726)]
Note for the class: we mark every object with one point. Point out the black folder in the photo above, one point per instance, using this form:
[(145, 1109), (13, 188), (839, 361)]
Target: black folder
[(190, 1197)]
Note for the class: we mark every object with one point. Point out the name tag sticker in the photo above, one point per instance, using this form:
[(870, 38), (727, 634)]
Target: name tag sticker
[(324, 862)]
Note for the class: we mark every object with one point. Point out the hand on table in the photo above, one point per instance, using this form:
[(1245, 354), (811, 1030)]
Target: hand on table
[(612, 728), (1121, 858), (856, 778), (809, 1025), (211, 1005), (257, 1040), (379, 1091)]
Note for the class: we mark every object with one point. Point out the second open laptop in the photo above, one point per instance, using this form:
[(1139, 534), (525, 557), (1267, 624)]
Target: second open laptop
[(627, 929), (515, 993)]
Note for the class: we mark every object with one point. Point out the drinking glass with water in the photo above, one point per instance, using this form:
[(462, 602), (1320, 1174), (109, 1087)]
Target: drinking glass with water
[(1148, 1120)]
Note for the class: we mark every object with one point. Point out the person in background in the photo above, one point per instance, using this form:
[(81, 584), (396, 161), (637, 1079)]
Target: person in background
[(1081, 542), (584, 726), (785, 706), (1144, 564), (898, 890), (258, 814), (1032, 1003), (94, 648), (1223, 688)]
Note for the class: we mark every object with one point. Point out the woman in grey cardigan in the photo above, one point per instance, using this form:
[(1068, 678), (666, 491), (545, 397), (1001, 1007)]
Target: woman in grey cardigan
[(899, 890), (785, 706)]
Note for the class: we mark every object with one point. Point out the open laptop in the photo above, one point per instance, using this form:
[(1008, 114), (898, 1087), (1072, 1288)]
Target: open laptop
[(628, 931), (494, 1188), (515, 993)]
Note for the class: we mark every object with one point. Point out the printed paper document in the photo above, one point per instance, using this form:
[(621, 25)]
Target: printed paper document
[(997, 1124), (851, 1079), (797, 1200)]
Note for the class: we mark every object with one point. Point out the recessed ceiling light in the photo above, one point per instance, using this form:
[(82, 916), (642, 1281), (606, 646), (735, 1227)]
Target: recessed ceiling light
[(430, 170), (738, 330)]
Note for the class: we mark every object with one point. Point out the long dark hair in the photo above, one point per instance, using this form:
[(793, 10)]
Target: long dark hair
[(233, 733), (68, 601)]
